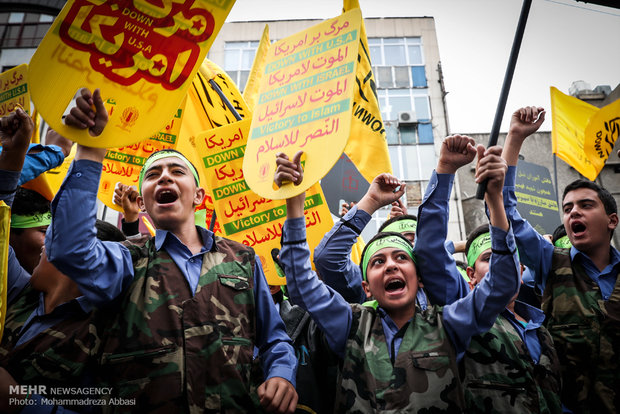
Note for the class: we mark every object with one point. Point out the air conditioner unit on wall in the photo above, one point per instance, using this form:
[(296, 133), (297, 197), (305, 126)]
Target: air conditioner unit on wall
[(407, 118)]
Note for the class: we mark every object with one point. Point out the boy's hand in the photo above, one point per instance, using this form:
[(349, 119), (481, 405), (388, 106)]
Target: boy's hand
[(344, 208), (15, 131), (83, 116), (525, 121), (492, 167), (456, 151), (288, 171), (127, 197), (398, 209), (384, 190), (291, 171), (54, 138), (277, 395)]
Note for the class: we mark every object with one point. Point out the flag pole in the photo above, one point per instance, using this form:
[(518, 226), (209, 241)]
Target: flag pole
[(510, 69), (555, 176)]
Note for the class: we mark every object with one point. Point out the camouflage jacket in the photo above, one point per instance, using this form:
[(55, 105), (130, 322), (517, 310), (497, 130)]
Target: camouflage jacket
[(501, 377), (17, 313), (586, 333), (64, 355), (171, 351), (423, 378)]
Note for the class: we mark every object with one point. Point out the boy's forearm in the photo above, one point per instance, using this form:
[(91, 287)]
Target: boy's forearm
[(511, 150), (497, 214)]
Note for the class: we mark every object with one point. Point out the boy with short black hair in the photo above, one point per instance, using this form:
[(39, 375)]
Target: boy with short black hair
[(580, 284)]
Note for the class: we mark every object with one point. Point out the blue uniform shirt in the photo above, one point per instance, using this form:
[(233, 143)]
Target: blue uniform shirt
[(536, 252)]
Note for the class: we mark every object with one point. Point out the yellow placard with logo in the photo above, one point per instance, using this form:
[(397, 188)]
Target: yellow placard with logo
[(245, 216), (14, 90), (143, 55), (5, 227), (123, 165), (305, 103)]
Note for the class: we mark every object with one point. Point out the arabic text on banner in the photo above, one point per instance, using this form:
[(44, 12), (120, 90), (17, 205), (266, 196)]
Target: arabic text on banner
[(141, 54), (14, 90), (304, 103), (243, 215)]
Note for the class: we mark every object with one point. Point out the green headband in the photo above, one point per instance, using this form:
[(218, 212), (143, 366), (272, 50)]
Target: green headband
[(28, 222), (165, 154), (382, 243), (479, 245), (563, 242), (401, 226)]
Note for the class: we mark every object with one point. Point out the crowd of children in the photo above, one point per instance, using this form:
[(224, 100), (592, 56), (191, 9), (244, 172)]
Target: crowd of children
[(184, 321)]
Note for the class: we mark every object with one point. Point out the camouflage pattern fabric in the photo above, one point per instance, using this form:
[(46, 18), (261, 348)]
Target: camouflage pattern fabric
[(501, 377), (423, 378), (586, 334), (18, 313), (64, 355), (171, 351)]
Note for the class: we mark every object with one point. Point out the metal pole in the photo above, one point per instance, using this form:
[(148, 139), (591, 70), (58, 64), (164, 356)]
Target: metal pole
[(557, 191), (510, 70)]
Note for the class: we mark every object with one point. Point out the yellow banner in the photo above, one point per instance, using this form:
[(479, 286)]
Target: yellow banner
[(367, 147), (570, 117), (305, 103), (143, 55), (122, 165), (5, 227), (601, 134), (205, 110), (250, 93), (243, 215), (14, 90)]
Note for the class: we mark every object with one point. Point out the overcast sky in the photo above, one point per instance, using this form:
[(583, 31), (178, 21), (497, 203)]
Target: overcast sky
[(564, 41)]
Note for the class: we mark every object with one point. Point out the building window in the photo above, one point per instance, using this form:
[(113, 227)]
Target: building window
[(394, 101), (238, 59), (23, 30), (398, 62)]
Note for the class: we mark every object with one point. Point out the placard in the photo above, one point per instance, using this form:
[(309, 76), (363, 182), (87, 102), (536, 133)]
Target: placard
[(143, 55), (305, 103)]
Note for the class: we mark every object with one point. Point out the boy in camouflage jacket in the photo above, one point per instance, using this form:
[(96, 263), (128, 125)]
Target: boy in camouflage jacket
[(192, 306), (395, 356)]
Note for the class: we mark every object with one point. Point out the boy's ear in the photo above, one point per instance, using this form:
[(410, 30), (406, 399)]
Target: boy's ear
[(140, 201), (613, 221), (366, 288), (470, 274)]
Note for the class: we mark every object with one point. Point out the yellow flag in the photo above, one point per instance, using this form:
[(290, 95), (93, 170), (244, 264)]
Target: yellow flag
[(206, 110), (250, 93), (601, 134), (570, 117), (5, 224), (367, 147)]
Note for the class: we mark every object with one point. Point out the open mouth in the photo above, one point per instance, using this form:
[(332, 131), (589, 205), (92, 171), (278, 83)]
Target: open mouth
[(577, 228), (394, 285), (166, 196)]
